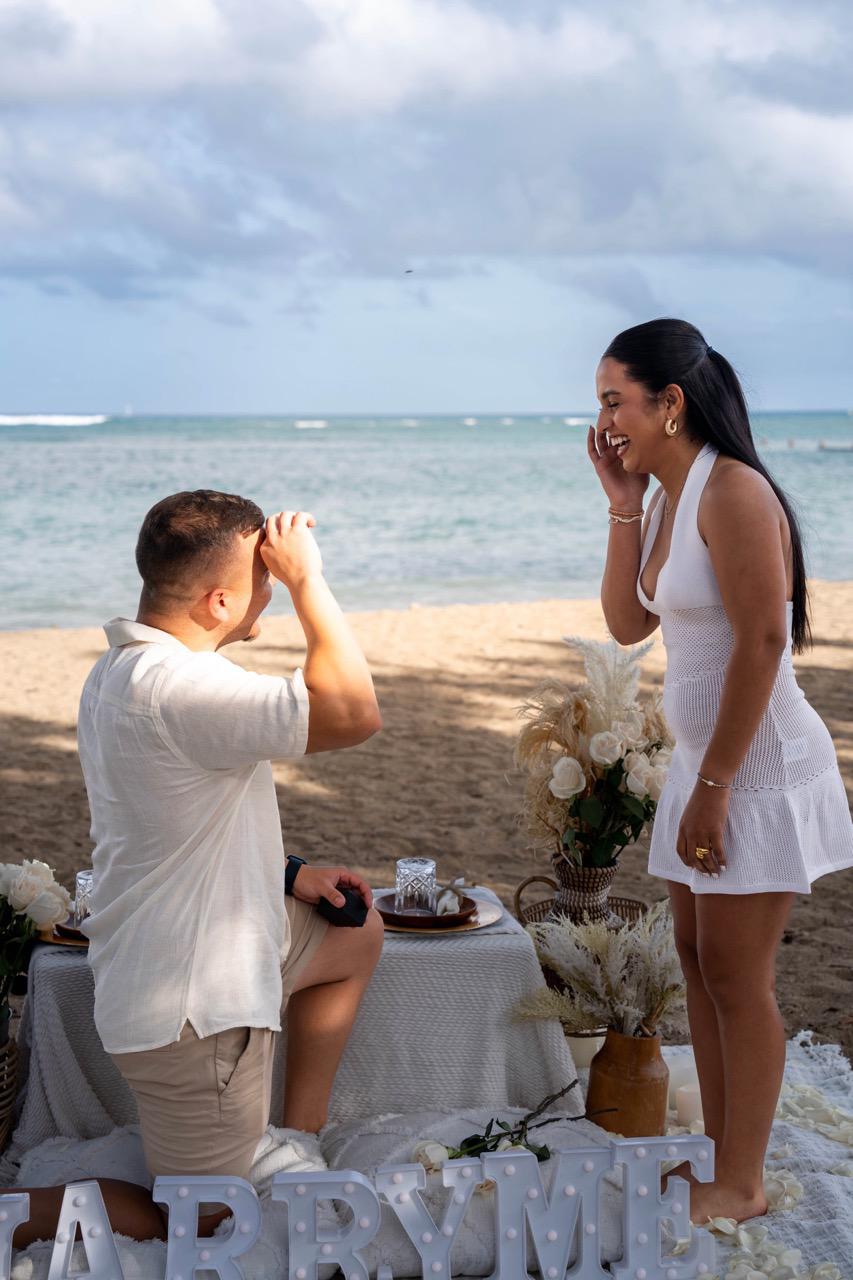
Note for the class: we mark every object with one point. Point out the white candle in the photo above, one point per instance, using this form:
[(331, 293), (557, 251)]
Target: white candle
[(688, 1103), (681, 1071)]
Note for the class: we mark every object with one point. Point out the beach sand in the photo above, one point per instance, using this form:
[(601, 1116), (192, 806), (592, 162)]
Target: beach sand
[(439, 779)]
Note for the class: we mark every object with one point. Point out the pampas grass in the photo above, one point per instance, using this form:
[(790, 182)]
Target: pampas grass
[(559, 723), (612, 678), (627, 978)]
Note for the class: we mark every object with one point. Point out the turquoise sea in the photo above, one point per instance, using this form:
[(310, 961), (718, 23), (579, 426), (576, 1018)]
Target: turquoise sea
[(428, 510)]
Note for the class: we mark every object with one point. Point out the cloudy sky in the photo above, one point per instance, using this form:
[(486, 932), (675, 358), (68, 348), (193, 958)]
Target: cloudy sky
[(417, 205)]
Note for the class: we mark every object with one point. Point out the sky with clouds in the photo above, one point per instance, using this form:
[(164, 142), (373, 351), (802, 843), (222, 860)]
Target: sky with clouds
[(417, 205)]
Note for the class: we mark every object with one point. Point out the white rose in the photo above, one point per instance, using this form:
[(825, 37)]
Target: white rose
[(605, 748), (32, 877), (636, 760), (630, 729), (567, 779), (432, 1155), (638, 779), (655, 779), (50, 907), (662, 758)]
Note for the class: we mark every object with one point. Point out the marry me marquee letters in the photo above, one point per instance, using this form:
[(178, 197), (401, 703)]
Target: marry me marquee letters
[(556, 1217)]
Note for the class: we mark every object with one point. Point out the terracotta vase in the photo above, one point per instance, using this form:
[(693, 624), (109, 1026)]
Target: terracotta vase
[(581, 892), (629, 1075)]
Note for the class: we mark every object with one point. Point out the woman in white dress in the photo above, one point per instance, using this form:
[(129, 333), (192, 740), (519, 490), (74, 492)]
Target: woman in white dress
[(754, 809)]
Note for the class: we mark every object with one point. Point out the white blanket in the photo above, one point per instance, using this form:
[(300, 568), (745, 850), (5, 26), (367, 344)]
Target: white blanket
[(811, 1138)]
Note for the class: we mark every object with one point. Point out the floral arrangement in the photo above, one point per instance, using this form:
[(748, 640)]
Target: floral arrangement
[(30, 900), (596, 758), (626, 978)]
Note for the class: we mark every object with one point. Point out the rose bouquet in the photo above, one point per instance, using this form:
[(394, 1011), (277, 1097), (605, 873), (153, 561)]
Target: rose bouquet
[(30, 900), (596, 757)]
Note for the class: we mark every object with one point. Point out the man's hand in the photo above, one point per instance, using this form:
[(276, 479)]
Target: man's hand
[(289, 550), (313, 883)]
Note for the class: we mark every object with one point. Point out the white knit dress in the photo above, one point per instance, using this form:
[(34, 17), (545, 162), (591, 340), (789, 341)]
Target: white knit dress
[(788, 821)]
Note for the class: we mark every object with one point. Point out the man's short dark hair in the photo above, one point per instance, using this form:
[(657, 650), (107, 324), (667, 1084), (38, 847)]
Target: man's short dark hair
[(184, 536)]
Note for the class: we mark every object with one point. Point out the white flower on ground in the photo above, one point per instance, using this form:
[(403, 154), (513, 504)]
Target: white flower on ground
[(32, 878), (630, 729), (605, 748), (50, 907), (722, 1226), (782, 1188), (567, 778), (432, 1155)]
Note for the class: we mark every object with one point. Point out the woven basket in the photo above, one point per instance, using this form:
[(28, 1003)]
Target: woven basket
[(8, 1088), (630, 909)]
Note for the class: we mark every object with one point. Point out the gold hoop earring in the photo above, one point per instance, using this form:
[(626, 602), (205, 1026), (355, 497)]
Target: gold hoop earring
[(671, 426)]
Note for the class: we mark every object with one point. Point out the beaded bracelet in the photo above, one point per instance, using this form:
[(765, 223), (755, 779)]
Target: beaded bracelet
[(709, 783), (624, 517)]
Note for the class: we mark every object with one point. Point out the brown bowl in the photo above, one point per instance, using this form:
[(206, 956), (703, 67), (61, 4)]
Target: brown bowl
[(384, 903), (69, 930)]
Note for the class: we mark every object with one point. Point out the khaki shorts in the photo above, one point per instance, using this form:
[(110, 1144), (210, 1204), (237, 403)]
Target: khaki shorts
[(204, 1104)]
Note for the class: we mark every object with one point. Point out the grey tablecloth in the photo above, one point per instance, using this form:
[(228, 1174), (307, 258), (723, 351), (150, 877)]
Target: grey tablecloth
[(435, 1030)]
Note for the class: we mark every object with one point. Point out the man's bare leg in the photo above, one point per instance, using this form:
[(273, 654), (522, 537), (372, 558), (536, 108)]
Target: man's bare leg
[(129, 1207), (320, 1015)]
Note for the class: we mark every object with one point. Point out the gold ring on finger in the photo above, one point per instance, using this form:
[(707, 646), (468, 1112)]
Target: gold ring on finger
[(702, 853)]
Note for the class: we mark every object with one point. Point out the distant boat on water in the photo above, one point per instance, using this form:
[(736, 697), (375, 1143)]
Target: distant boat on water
[(53, 419)]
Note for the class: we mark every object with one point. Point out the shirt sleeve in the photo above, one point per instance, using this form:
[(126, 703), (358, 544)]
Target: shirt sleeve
[(221, 717)]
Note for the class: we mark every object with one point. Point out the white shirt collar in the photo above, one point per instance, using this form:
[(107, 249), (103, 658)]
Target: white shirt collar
[(120, 631)]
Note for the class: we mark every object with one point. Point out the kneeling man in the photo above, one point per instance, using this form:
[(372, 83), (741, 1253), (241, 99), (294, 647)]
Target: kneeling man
[(199, 934)]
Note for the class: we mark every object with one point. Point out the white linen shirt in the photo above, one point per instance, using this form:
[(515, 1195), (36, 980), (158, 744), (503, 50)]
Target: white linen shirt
[(188, 920)]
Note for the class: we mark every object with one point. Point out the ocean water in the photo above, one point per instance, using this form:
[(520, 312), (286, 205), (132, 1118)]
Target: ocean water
[(410, 510)]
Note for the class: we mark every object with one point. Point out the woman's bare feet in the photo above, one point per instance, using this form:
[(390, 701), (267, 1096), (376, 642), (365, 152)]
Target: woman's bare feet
[(721, 1200)]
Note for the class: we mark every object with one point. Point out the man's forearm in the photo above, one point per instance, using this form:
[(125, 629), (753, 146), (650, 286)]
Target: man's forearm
[(335, 670)]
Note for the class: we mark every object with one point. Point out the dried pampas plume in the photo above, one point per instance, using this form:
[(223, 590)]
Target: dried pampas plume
[(556, 720), (655, 726), (613, 677), (627, 978)]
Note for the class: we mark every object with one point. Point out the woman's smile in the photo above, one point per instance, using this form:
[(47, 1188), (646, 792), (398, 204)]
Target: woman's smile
[(620, 443)]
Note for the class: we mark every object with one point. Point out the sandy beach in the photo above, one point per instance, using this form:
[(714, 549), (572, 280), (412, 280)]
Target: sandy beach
[(439, 779)]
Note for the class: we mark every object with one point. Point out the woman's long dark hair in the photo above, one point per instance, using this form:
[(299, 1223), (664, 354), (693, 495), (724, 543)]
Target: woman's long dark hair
[(661, 352)]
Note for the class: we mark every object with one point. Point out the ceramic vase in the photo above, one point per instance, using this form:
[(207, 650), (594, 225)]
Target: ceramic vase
[(629, 1086)]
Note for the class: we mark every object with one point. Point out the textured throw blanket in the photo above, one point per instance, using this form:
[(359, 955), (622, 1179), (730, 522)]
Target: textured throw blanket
[(809, 1178)]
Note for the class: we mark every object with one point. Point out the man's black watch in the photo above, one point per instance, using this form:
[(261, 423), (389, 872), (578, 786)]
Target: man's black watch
[(291, 869)]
